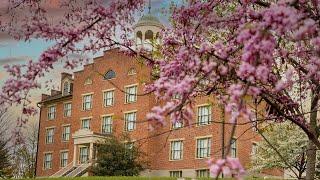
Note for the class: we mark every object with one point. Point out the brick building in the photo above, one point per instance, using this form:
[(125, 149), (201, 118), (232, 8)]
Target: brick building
[(92, 105)]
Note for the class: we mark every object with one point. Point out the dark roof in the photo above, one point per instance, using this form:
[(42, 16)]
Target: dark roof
[(55, 97)]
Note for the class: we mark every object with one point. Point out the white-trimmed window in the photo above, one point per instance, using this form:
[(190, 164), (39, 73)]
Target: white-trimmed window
[(176, 150), (47, 161), (203, 173), (84, 154), (130, 121), (85, 123), (177, 174), (203, 147), (177, 125), (64, 159), (67, 109), (204, 115), (131, 94), (66, 88), (107, 124), (87, 102), (108, 98), (233, 147), (49, 135), (66, 133), (51, 112), (254, 149)]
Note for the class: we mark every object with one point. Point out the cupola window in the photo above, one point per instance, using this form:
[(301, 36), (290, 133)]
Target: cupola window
[(67, 88)]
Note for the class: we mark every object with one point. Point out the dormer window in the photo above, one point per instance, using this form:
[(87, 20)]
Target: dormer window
[(110, 75), (67, 88), (132, 71)]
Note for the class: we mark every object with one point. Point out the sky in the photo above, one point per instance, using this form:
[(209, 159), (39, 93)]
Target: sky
[(19, 52)]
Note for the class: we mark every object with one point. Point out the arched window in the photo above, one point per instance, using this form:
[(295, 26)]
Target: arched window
[(110, 75), (149, 35), (139, 37), (132, 71), (66, 88)]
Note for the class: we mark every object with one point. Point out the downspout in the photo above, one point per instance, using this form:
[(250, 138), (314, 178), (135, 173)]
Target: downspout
[(222, 134), (36, 161)]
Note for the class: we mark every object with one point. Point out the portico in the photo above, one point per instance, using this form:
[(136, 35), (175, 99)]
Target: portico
[(84, 150)]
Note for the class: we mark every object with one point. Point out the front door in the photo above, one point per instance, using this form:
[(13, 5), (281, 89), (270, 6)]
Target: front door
[(84, 154)]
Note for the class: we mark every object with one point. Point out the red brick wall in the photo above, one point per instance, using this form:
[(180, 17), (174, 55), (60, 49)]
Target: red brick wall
[(156, 146)]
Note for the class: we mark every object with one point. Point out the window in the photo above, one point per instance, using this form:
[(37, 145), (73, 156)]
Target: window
[(132, 71), (47, 163), (66, 88), (67, 110), (204, 115), (203, 147), (254, 149), (87, 102), (110, 75), (177, 174), (203, 173), (51, 112), (85, 124), (84, 154), (130, 121), (131, 94), (64, 159), (128, 148), (177, 96), (233, 147), (108, 98), (49, 135), (107, 124), (66, 133), (176, 150), (177, 125)]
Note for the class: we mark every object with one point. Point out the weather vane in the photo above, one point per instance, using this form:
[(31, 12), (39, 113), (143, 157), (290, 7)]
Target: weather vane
[(149, 7)]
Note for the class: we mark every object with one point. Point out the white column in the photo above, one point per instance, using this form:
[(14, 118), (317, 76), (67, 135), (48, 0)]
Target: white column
[(75, 149), (90, 152)]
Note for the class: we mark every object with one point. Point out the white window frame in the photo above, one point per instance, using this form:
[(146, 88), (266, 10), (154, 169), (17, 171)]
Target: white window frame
[(130, 124), (106, 126), (176, 150), (177, 125), (254, 149), (177, 174), (65, 134), (66, 109), (233, 148), (205, 151), (83, 158), (52, 112), (47, 163), (202, 173), (64, 160), (106, 99), (85, 119), (49, 137), (204, 119), (85, 102), (131, 97)]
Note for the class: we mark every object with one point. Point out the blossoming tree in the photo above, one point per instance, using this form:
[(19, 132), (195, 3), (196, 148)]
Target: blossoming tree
[(267, 50)]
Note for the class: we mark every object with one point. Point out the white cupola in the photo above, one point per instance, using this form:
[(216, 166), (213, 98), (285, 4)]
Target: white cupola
[(147, 31)]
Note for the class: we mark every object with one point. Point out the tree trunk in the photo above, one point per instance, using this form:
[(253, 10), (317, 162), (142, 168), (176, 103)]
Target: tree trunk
[(311, 151), (311, 161)]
